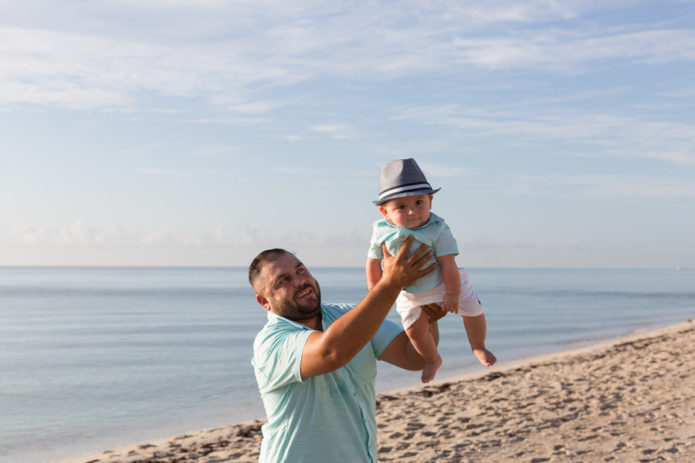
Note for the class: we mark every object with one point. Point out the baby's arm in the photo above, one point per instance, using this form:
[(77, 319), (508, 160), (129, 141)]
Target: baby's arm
[(373, 271), (452, 282)]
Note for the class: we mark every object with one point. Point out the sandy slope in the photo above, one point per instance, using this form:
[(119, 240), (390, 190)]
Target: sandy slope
[(632, 400)]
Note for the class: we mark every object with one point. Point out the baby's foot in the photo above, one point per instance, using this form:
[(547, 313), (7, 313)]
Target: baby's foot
[(485, 357), (430, 370)]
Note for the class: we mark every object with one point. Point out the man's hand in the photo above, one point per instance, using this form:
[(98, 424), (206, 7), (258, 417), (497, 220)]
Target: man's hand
[(434, 312), (401, 270)]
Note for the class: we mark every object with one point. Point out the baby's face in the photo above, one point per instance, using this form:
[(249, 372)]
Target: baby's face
[(408, 212)]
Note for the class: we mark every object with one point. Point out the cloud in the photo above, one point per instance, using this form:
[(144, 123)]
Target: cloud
[(562, 50), (234, 55), (295, 170), (611, 186), (232, 121), (85, 71), (149, 171), (440, 170), (80, 233), (590, 133), (84, 233), (216, 151), (337, 131)]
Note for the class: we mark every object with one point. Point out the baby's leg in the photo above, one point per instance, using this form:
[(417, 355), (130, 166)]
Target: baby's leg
[(476, 329), (419, 334)]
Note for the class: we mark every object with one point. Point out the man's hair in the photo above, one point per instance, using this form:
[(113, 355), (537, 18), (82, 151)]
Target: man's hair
[(269, 255)]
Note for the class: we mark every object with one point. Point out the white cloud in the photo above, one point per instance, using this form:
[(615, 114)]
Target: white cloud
[(149, 171), (232, 54), (216, 151), (337, 131), (233, 121), (295, 170), (86, 71), (607, 135), (612, 186), (79, 232), (440, 170), (561, 50)]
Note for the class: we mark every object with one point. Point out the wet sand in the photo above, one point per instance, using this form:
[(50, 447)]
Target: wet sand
[(628, 400)]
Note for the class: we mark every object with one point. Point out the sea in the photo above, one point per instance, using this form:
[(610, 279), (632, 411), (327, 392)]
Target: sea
[(97, 358)]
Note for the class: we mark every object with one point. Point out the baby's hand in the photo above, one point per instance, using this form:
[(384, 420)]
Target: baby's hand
[(450, 303)]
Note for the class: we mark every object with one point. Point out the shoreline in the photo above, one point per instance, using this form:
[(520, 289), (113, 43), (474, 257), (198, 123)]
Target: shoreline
[(627, 399)]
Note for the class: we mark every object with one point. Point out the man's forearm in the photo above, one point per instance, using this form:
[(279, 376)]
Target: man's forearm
[(351, 332), (343, 339)]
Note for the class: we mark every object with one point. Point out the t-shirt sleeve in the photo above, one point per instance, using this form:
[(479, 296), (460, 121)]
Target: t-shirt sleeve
[(277, 357), (384, 335), (445, 243)]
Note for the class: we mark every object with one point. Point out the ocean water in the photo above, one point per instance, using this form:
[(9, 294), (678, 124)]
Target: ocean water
[(96, 358)]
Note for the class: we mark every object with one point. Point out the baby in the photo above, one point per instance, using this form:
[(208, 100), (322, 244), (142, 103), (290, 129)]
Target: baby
[(405, 200)]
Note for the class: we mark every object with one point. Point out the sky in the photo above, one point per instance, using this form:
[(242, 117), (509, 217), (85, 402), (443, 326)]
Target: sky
[(200, 132)]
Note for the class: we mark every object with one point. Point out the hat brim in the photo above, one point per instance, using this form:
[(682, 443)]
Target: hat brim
[(426, 191)]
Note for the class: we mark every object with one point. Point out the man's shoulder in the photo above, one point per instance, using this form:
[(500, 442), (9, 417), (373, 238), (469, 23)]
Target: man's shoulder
[(341, 307), (332, 310), (275, 327), (280, 326)]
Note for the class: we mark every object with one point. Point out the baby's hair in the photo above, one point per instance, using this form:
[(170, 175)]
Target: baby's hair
[(269, 255)]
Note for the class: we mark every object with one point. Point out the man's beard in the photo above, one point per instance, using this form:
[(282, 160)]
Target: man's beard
[(298, 312)]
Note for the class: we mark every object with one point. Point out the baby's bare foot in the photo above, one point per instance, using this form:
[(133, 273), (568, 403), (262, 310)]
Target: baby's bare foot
[(485, 357), (430, 369)]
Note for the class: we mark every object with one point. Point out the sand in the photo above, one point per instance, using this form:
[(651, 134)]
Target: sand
[(630, 400)]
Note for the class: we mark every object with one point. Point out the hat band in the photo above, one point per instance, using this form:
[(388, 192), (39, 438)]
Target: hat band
[(404, 188)]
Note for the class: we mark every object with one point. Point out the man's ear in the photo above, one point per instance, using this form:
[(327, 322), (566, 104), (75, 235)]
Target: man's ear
[(263, 302)]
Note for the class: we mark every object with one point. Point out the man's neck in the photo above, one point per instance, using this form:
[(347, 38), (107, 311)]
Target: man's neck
[(313, 323)]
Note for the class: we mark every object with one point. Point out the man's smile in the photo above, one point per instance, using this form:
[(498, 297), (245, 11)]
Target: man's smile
[(305, 292)]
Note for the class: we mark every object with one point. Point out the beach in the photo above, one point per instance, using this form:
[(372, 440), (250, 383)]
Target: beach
[(631, 399)]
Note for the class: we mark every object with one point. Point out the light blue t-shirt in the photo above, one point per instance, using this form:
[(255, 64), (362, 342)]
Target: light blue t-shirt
[(330, 417), (435, 233)]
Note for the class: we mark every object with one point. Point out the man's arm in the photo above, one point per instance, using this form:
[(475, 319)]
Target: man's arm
[(401, 353), (331, 349)]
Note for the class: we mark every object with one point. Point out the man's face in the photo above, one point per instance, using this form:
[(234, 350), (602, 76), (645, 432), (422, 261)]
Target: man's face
[(286, 288)]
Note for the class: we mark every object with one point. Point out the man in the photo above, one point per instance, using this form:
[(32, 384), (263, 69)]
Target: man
[(316, 363)]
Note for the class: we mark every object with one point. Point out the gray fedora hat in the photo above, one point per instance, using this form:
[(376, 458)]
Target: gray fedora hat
[(400, 178)]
